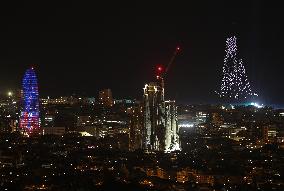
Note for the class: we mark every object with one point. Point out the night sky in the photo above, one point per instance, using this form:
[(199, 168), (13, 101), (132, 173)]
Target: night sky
[(81, 48)]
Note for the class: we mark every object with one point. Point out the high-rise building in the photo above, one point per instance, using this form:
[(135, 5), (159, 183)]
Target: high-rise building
[(160, 120), (29, 119), (105, 98)]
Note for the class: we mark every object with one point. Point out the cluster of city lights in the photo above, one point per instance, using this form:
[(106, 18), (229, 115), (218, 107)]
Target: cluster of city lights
[(235, 82), (256, 105)]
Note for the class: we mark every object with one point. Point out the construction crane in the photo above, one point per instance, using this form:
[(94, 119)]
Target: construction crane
[(159, 115), (161, 72)]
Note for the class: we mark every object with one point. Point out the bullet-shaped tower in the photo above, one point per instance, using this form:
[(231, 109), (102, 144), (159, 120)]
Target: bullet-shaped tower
[(29, 119)]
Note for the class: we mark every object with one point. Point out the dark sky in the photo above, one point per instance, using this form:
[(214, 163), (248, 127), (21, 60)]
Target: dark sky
[(82, 48)]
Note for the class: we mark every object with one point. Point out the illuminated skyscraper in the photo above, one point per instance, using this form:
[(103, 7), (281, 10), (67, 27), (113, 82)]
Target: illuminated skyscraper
[(29, 119)]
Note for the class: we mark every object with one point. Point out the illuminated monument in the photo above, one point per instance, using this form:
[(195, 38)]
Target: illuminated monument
[(160, 129), (29, 119), (160, 120), (235, 84)]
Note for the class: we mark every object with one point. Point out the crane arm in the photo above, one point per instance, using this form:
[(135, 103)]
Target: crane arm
[(171, 61)]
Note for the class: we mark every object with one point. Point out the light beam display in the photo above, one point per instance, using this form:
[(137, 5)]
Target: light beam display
[(29, 119), (235, 83)]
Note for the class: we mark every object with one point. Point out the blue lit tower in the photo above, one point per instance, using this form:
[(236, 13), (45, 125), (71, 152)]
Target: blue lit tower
[(29, 119)]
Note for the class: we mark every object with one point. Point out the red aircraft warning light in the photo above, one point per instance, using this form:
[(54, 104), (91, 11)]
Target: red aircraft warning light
[(160, 69)]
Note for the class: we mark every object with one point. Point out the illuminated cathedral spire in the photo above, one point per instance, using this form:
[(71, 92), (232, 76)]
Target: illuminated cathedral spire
[(29, 119), (235, 84)]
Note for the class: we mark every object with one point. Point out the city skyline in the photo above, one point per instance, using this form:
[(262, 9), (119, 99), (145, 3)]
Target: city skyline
[(120, 52), (166, 96)]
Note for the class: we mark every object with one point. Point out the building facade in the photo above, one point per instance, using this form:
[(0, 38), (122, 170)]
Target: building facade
[(29, 119), (160, 130)]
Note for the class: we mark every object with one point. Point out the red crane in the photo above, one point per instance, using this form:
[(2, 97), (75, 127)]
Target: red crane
[(161, 72)]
